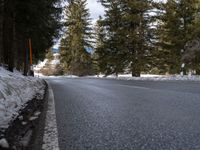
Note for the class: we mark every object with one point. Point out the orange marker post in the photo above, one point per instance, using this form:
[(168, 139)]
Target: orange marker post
[(31, 52)]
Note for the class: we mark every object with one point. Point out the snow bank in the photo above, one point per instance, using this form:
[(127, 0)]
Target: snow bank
[(169, 78), (156, 77), (15, 91), (151, 77), (56, 59), (55, 62), (64, 76), (40, 65)]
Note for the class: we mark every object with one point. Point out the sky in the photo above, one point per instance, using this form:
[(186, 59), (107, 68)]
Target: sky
[(96, 9)]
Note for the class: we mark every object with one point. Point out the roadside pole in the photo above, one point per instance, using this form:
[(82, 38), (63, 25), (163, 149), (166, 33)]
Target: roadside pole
[(31, 52), (31, 73)]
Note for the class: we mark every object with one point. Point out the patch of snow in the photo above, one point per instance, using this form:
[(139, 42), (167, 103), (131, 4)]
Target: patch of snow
[(64, 76), (41, 64), (151, 77), (130, 76), (20, 118), (24, 123), (56, 55), (55, 62), (38, 75), (4, 143), (46, 63), (71, 76), (37, 113), (33, 118), (15, 91)]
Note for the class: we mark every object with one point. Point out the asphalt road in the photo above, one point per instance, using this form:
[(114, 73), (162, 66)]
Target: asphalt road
[(98, 114)]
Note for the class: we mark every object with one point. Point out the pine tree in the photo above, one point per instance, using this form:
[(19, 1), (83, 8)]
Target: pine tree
[(100, 55), (40, 21), (78, 37), (8, 33), (137, 22), (176, 31), (49, 54), (191, 56), (21, 20), (1, 30), (66, 56), (130, 37), (114, 46)]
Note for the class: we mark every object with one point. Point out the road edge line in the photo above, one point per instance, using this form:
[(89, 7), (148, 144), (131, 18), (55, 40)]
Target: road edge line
[(50, 137)]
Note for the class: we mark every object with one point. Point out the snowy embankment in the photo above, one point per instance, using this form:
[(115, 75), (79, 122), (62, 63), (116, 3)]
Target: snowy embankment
[(144, 77), (151, 77), (15, 91)]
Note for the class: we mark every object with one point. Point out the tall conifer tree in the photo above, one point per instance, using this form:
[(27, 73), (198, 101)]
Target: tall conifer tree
[(114, 46), (137, 25), (100, 55), (78, 39), (128, 31), (21, 20), (176, 30)]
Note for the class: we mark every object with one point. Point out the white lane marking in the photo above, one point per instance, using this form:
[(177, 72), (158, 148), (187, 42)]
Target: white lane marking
[(50, 138)]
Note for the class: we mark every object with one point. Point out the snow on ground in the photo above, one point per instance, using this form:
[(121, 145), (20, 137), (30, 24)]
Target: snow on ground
[(55, 62), (36, 74), (15, 91), (151, 77), (142, 75), (4, 143), (56, 59), (160, 78), (41, 64)]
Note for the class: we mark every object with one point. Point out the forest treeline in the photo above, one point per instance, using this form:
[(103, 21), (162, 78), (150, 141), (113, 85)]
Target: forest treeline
[(22, 21), (137, 36), (133, 36)]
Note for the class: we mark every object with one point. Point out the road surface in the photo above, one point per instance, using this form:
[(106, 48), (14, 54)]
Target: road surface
[(101, 114)]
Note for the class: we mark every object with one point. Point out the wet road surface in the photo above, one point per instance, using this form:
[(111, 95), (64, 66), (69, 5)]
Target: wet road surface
[(100, 114)]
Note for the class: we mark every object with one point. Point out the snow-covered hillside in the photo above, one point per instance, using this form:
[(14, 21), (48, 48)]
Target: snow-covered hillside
[(15, 91)]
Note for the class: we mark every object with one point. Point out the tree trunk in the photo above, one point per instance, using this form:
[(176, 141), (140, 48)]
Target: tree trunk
[(25, 58), (116, 73), (19, 55), (1, 31), (135, 69), (8, 34)]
